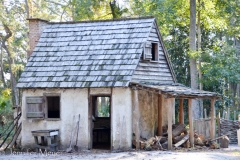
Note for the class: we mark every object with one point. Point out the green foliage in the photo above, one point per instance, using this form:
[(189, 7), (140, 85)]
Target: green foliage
[(5, 99), (104, 111), (223, 66)]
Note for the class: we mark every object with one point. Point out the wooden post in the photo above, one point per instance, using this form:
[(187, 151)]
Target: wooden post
[(136, 116), (160, 106), (205, 113), (181, 112), (219, 129), (170, 119), (234, 115), (212, 129), (190, 118), (228, 114)]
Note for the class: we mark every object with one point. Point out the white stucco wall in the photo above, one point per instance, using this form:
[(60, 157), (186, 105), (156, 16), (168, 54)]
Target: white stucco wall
[(73, 102), (121, 115)]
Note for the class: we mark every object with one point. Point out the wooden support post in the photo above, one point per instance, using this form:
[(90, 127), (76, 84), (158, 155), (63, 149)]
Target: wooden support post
[(190, 118), (170, 119), (234, 115), (212, 129), (228, 115), (136, 117), (181, 112), (205, 113), (160, 106), (219, 129)]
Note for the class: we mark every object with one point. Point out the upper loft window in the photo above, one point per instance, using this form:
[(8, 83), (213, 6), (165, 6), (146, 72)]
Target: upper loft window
[(151, 51)]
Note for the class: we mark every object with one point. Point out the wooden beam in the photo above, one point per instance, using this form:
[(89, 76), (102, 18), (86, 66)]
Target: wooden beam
[(181, 112), (136, 116), (190, 118), (170, 119), (160, 106), (212, 129)]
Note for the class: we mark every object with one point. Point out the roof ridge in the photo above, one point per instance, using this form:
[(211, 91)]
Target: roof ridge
[(107, 20)]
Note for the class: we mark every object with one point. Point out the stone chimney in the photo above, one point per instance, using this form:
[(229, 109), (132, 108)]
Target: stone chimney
[(36, 27)]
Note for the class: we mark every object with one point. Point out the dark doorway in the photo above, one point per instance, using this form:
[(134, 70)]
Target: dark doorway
[(101, 122)]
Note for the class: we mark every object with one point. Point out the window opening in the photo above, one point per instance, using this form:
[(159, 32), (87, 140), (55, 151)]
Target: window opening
[(53, 107), (154, 51)]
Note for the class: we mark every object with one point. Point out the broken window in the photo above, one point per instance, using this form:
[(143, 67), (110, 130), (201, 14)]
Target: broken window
[(53, 106)]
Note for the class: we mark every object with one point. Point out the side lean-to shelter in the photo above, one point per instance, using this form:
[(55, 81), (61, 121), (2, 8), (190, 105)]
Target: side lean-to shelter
[(115, 73)]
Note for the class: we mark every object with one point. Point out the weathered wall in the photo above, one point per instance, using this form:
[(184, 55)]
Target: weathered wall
[(148, 105), (121, 118), (168, 102), (73, 102)]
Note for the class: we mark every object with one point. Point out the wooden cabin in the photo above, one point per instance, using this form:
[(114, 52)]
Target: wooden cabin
[(115, 73)]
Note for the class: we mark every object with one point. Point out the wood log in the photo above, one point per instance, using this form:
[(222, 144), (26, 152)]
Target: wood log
[(178, 130), (178, 138), (163, 139), (151, 140), (182, 141), (186, 144), (165, 145), (158, 143), (198, 141)]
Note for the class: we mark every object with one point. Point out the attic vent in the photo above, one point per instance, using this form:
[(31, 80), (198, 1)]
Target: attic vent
[(151, 51)]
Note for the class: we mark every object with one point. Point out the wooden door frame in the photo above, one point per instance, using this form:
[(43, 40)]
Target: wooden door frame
[(90, 107)]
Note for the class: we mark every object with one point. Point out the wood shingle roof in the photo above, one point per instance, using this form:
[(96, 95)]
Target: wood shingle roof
[(87, 54)]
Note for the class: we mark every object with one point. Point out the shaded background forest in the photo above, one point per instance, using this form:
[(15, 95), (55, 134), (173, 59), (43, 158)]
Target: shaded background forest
[(218, 40)]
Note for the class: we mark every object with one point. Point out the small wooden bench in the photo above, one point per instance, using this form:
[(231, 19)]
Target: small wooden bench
[(49, 134)]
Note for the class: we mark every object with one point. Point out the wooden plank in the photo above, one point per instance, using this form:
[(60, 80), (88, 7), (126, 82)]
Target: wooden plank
[(34, 100), (136, 116), (170, 127), (190, 117), (152, 73), (212, 128), (181, 112), (35, 115), (182, 141), (160, 106), (89, 120)]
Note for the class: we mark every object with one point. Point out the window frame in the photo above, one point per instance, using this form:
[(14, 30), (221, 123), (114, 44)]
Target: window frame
[(45, 95), (150, 49), (155, 48), (102, 95)]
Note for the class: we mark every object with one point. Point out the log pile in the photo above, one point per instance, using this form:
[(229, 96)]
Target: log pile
[(229, 127), (180, 138)]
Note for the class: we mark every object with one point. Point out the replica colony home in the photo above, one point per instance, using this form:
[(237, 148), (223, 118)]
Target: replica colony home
[(84, 67)]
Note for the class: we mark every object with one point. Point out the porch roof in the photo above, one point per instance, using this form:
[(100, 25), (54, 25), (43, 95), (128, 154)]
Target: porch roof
[(176, 90)]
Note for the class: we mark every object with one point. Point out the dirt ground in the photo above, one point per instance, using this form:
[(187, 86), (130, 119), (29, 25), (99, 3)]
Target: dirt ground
[(231, 153)]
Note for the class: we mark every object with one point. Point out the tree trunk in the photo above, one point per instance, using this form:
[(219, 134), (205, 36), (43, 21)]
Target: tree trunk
[(199, 60), (1, 67), (27, 9), (15, 98), (193, 63)]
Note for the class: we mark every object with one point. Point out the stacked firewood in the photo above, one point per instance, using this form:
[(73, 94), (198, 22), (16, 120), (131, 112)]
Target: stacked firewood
[(230, 128), (180, 138)]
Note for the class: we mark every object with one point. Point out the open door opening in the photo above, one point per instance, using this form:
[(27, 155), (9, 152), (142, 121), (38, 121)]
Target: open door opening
[(101, 122)]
